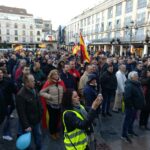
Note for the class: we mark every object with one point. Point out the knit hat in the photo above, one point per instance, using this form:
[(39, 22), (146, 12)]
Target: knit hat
[(91, 77)]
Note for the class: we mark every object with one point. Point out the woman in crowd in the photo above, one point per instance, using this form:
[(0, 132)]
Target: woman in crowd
[(53, 91), (77, 121)]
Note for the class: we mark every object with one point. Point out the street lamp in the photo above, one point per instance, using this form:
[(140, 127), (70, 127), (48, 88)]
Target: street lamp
[(129, 30)]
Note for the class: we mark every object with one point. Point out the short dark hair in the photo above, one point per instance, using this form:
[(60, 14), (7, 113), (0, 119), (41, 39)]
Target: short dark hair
[(26, 78), (67, 99)]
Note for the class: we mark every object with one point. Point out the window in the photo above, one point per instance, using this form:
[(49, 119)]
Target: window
[(38, 32), (142, 4), (127, 21), (109, 26), (117, 34), (16, 25), (93, 19), (31, 33), (7, 32), (31, 39), (118, 24), (16, 32), (109, 35), (7, 25), (81, 23), (140, 18), (110, 13), (31, 27), (7, 39), (85, 22), (97, 17), (97, 28), (102, 26), (47, 25), (38, 39), (23, 26), (23, 32), (0, 31), (119, 9), (103, 16), (16, 38), (129, 6), (140, 34), (23, 39), (89, 20)]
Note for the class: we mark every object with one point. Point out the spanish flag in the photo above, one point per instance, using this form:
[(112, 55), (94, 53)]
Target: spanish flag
[(75, 49), (42, 45), (18, 48), (84, 52)]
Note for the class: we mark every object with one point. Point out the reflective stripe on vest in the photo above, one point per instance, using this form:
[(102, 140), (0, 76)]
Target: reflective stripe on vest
[(77, 136)]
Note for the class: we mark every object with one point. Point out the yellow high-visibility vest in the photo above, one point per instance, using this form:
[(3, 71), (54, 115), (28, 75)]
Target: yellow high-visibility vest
[(76, 138)]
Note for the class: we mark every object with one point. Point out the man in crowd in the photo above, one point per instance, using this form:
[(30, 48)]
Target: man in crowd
[(134, 100), (73, 71), (109, 85), (121, 78), (84, 78), (7, 89), (67, 78), (29, 110)]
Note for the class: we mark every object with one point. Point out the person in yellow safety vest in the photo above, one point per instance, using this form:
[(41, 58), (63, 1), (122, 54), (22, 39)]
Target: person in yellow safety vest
[(76, 120)]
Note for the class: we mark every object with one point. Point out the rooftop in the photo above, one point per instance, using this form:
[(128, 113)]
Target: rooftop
[(14, 10)]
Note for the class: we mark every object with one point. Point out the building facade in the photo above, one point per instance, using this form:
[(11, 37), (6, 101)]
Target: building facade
[(18, 26), (118, 26)]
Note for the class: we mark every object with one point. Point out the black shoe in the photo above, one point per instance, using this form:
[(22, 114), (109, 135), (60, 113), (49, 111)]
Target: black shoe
[(147, 128), (103, 114), (115, 111), (109, 114), (126, 139), (133, 134)]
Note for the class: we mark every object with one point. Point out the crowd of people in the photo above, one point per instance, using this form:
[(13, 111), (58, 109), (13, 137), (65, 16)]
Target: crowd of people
[(61, 91)]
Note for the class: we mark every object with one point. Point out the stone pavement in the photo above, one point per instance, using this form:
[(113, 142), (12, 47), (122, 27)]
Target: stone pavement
[(110, 135)]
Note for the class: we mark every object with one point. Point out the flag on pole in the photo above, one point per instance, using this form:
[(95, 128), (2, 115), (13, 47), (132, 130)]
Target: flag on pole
[(75, 49), (18, 48), (84, 51)]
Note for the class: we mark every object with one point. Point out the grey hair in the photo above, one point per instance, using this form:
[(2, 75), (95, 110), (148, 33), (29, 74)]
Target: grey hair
[(132, 74)]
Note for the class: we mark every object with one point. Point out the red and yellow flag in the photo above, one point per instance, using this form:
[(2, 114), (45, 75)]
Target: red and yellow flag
[(84, 51), (75, 49)]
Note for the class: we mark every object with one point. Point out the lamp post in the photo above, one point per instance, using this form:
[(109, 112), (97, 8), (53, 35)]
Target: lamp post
[(129, 30)]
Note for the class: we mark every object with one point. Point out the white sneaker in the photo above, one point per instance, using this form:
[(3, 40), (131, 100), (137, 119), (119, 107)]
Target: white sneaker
[(7, 137), (12, 116)]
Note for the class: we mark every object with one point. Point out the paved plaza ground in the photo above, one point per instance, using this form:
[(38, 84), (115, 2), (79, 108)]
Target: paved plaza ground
[(110, 135)]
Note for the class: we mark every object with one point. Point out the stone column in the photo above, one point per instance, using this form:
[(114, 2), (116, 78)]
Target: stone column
[(145, 51), (105, 48), (121, 50), (112, 49)]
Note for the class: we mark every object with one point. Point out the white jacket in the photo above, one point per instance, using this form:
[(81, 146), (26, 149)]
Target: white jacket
[(121, 79)]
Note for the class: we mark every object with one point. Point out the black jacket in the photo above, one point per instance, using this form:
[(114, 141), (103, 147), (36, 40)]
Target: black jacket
[(2, 107), (108, 82), (8, 88), (146, 84), (68, 80), (133, 96), (29, 108), (72, 121)]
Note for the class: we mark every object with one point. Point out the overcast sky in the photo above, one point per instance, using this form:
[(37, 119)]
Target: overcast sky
[(58, 11)]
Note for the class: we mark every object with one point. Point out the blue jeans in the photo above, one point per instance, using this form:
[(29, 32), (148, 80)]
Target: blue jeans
[(107, 98), (6, 128), (37, 135), (130, 115)]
